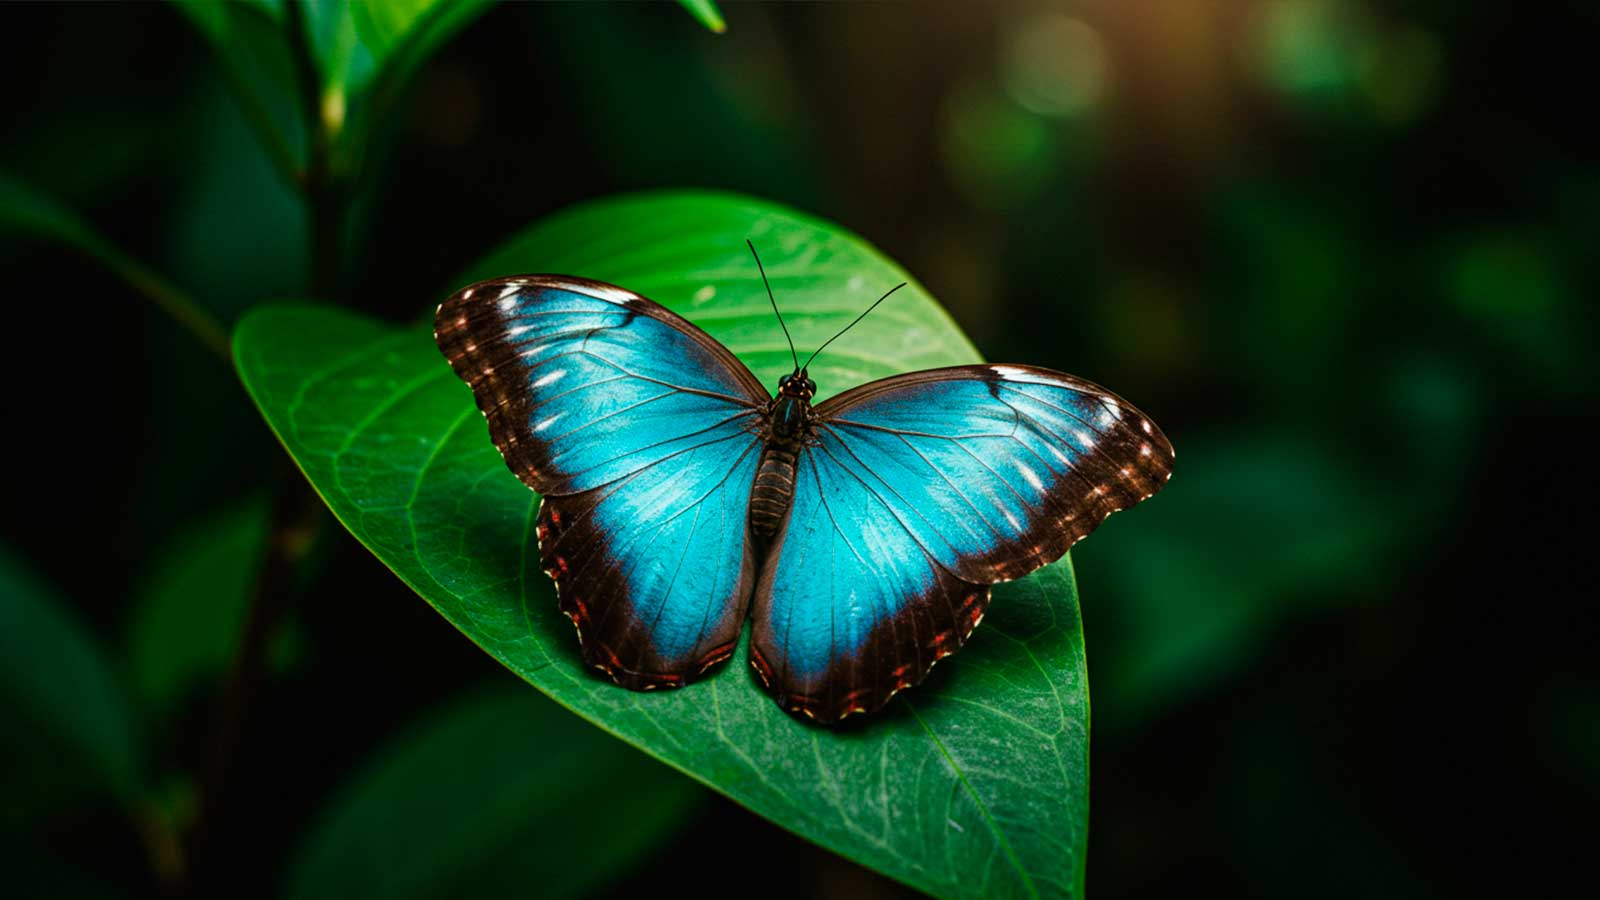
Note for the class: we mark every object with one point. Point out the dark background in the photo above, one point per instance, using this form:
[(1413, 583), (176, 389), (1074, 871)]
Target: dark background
[(1345, 254)]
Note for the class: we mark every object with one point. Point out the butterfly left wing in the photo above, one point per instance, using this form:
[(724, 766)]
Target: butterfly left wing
[(918, 493), (641, 433)]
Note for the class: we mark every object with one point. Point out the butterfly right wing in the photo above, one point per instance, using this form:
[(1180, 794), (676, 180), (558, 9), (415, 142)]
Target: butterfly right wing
[(917, 493), (642, 434)]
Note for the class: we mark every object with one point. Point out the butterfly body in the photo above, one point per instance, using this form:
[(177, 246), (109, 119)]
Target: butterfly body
[(860, 535), (788, 426)]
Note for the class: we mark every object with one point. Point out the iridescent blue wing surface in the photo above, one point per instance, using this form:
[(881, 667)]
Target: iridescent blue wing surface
[(918, 492), (641, 432)]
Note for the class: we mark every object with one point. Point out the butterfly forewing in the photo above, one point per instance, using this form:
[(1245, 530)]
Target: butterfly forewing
[(642, 434)]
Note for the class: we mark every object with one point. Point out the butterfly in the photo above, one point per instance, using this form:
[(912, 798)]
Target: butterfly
[(860, 534)]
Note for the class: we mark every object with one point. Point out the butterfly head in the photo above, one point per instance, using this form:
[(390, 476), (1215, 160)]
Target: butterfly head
[(797, 385)]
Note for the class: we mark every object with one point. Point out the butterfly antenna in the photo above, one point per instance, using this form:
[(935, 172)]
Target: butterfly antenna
[(852, 324), (774, 300)]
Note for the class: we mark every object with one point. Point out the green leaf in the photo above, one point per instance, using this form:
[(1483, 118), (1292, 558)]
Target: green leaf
[(501, 793), (366, 54), (973, 784), (252, 52), (62, 712), (191, 607), (1253, 533), (360, 45), (28, 212), (706, 13)]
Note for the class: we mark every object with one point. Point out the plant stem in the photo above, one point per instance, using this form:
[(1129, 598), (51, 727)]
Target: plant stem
[(297, 511), (323, 187), (296, 519)]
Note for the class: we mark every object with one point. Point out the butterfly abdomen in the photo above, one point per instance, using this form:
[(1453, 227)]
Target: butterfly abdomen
[(773, 491)]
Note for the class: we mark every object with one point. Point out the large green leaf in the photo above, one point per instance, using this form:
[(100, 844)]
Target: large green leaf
[(973, 784), (502, 793)]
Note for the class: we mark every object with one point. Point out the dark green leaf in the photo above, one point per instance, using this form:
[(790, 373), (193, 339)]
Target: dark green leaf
[(366, 54), (188, 613), (60, 705), (358, 44), (1255, 530), (500, 794), (973, 784), (26, 211), (706, 13), (30, 213), (343, 60), (250, 43)]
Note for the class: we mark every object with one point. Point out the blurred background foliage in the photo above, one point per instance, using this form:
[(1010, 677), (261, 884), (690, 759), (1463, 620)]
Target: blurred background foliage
[(1343, 251)]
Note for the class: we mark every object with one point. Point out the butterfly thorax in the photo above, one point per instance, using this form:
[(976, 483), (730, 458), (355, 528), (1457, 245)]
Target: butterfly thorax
[(788, 427)]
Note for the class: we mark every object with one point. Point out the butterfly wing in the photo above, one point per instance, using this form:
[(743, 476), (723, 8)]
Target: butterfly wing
[(641, 433), (919, 492)]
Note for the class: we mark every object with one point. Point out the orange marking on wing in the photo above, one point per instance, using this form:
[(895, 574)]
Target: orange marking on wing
[(759, 663), (716, 655)]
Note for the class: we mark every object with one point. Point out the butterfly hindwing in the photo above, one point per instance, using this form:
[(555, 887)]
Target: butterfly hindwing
[(642, 434), (917, 493)]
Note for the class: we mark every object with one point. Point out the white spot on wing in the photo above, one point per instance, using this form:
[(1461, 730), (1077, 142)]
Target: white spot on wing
[(1008, 371), (614, 294), (549, 378), (1030, 476), (547, 422)]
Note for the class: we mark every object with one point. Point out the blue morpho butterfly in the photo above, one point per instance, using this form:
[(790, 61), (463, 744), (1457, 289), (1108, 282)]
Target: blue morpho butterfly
[(866, 530)]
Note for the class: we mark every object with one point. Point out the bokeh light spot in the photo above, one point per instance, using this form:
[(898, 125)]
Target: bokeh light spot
[(996, 152), (1054, 65), (1400, 71)]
